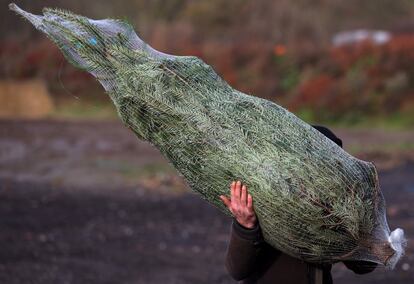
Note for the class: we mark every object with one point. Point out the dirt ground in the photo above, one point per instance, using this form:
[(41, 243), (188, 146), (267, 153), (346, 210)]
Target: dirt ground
[(87, 202)]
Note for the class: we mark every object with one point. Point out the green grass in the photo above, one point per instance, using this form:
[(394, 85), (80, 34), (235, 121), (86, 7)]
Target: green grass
[(94, 109), (404, 146), (398, 120), (155, 176), (81, 109)]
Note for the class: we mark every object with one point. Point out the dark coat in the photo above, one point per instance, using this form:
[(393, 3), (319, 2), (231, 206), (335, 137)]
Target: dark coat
[(251, 260)]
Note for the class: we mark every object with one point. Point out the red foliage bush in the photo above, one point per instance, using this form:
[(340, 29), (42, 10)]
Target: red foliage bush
[(364, 77), (369, 78)]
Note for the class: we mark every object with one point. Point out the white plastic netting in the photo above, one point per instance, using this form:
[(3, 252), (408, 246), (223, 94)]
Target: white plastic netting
[(314, 201)]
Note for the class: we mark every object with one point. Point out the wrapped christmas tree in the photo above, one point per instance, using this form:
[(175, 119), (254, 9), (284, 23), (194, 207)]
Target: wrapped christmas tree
[(314, 201)]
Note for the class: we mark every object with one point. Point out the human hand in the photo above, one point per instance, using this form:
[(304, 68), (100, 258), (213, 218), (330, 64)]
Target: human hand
[(240, 205)]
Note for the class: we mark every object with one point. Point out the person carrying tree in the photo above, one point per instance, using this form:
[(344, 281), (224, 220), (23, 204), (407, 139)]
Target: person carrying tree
[(251, 260)]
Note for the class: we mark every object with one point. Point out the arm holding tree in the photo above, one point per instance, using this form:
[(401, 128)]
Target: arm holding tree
[(246, 242)]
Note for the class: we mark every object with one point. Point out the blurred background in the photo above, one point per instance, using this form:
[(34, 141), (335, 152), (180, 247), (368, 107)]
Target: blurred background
[(83, 200)]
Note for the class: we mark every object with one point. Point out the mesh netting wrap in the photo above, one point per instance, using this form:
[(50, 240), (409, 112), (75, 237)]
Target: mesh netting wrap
[(313, 200)]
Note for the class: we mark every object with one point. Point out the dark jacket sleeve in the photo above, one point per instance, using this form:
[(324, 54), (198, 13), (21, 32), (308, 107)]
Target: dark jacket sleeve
[(243, 250), (360, 267)]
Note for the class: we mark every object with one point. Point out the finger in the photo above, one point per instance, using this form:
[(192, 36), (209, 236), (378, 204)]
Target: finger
[(232, 188), (249, 201), (243, 198), (237, 192), (233, 192), (226, 201)]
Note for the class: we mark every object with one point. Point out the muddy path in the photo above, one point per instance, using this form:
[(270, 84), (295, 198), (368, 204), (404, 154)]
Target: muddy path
[(73, 211), (57, 235)]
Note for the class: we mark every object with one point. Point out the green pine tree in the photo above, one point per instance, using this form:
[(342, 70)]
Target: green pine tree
[(314, 201)]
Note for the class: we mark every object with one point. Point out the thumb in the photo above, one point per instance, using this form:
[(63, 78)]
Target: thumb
[(225, 200)]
